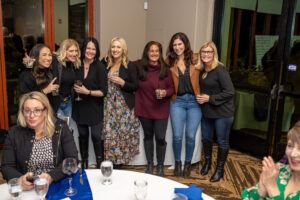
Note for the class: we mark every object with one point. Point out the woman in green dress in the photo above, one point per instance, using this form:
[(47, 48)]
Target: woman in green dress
[(279, 181)]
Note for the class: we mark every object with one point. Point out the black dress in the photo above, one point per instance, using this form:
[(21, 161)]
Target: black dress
[(89, 111)]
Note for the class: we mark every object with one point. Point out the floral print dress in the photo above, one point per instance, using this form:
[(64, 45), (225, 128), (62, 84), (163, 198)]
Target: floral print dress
[(282, 181), (121, 127)]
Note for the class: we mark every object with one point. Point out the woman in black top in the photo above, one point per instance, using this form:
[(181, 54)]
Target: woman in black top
[(65, 61), (216, 99), (40, 76), (89, 111)]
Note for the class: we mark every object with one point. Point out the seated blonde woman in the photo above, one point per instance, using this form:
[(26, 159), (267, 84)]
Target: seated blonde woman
[(38, 144), (280, 181)]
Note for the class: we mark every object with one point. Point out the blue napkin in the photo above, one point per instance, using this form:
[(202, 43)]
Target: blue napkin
[(56, 191), (192, 192)]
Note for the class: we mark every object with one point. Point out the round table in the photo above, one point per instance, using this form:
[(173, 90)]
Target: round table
[(121, 187)]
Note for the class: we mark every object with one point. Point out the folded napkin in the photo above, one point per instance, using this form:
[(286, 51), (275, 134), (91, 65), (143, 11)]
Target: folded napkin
[(192, 192), (56, 191)]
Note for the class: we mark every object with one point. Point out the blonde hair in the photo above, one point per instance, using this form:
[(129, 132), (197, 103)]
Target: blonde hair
[(49, 126), (294, 133), (215, 61), (62, 52), (125, 59)]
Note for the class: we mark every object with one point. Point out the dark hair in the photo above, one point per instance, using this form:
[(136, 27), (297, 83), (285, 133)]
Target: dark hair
[(85, 43), (42, 76), (144, 62), (188, 53)]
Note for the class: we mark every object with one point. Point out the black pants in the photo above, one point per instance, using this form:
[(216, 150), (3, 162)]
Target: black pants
[(96, 131), (154, 126)]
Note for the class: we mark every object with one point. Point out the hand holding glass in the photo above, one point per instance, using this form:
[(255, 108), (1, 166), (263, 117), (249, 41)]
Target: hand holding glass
[(106, 170), (15, 188), (79, 83), (140, 189), (69, 167), (41, 186)]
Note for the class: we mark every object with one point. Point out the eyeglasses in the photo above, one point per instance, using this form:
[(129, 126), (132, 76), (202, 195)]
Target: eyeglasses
[(207, 52), (36, 112)]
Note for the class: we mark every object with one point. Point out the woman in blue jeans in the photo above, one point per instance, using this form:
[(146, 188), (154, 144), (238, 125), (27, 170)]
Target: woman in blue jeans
[(184, 108), (216, 100)]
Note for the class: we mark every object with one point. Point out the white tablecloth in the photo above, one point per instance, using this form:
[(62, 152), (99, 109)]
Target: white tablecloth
[(122, 187), (140, 159)]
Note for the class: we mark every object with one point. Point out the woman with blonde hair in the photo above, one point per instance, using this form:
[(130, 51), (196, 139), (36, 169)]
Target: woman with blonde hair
[(120, 125), (65, 60), (38, 144), (217, 105)]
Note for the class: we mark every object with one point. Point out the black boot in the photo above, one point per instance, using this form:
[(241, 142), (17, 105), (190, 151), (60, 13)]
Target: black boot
[(148, 145), (219, 173), (84, 151), (160, 155), (177, 170), (187, 169), (98, 148), (207, 150)]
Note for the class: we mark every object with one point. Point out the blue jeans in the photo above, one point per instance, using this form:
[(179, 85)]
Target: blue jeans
[(65, 110), (222, 127), (185, 110)]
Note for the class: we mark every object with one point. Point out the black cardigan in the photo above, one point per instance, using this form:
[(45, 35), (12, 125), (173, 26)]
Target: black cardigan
[(129, 75), (89, 111), (18, 147)]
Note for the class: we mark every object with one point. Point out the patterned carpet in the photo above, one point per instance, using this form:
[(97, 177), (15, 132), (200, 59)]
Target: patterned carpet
[(241, 171)]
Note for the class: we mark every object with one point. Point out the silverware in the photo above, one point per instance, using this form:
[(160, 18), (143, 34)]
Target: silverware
[(81, 180)]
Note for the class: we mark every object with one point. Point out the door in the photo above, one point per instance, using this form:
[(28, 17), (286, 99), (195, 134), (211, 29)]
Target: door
[(253, 40)]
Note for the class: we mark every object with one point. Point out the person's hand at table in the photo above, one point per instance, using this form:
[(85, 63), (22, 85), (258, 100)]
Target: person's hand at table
[(47, 176), (26, 184), (269, 176), (202, 98)]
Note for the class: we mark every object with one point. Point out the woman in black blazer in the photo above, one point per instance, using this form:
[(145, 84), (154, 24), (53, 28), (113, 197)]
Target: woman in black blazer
[(121, 127), (89, 111)]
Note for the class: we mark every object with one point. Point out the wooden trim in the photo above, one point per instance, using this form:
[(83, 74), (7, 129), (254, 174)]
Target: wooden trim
[(253, 28), (90, 18), (237, 38), (49, 23), (3, 91), (268, 24)]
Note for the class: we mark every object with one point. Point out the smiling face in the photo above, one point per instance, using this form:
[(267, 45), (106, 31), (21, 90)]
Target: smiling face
[(72, 53), (153, 54), (34, 114), (207, 55), (116, 49), (178, 47), (45, 58), (293, 153), (90, 51)]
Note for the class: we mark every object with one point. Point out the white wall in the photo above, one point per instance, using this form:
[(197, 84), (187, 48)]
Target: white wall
[(61, 12)]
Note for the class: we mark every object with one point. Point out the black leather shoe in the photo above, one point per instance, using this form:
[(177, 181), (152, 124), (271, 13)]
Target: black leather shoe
[(219, 173), (187, 169), (177, 170)]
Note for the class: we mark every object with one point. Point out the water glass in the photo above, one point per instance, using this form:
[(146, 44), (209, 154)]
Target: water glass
[(41, 186), (15, 188), (179, 196), (106, 170), (140, 189), (69, 167)]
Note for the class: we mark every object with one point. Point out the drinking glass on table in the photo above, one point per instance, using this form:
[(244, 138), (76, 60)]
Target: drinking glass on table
[(15, 188), (79, 83), (69, 167), (179, 196), (140, 189), (41, 186), (106, 170)]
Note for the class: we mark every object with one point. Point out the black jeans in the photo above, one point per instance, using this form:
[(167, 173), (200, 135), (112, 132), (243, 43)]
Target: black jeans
[(96, 131), (157, 127)]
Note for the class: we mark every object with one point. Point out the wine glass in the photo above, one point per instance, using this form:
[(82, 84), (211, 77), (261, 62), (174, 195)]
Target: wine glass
[(69, 167), (106, 170), (140, 189), (15, 188), (79, 83), (41, 186), (179, 196)]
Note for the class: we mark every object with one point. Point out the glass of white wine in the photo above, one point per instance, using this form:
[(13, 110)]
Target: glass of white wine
[(41, 186), (106, 170), (15, 188)]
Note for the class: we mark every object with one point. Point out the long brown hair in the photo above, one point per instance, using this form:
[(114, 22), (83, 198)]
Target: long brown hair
[(42, 76)]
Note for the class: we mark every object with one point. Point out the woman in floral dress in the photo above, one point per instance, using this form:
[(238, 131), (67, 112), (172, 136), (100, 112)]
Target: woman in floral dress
[(121, 127), (279, 181)]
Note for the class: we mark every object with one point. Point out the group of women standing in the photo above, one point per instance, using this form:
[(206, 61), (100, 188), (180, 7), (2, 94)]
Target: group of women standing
[(114, 96)]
